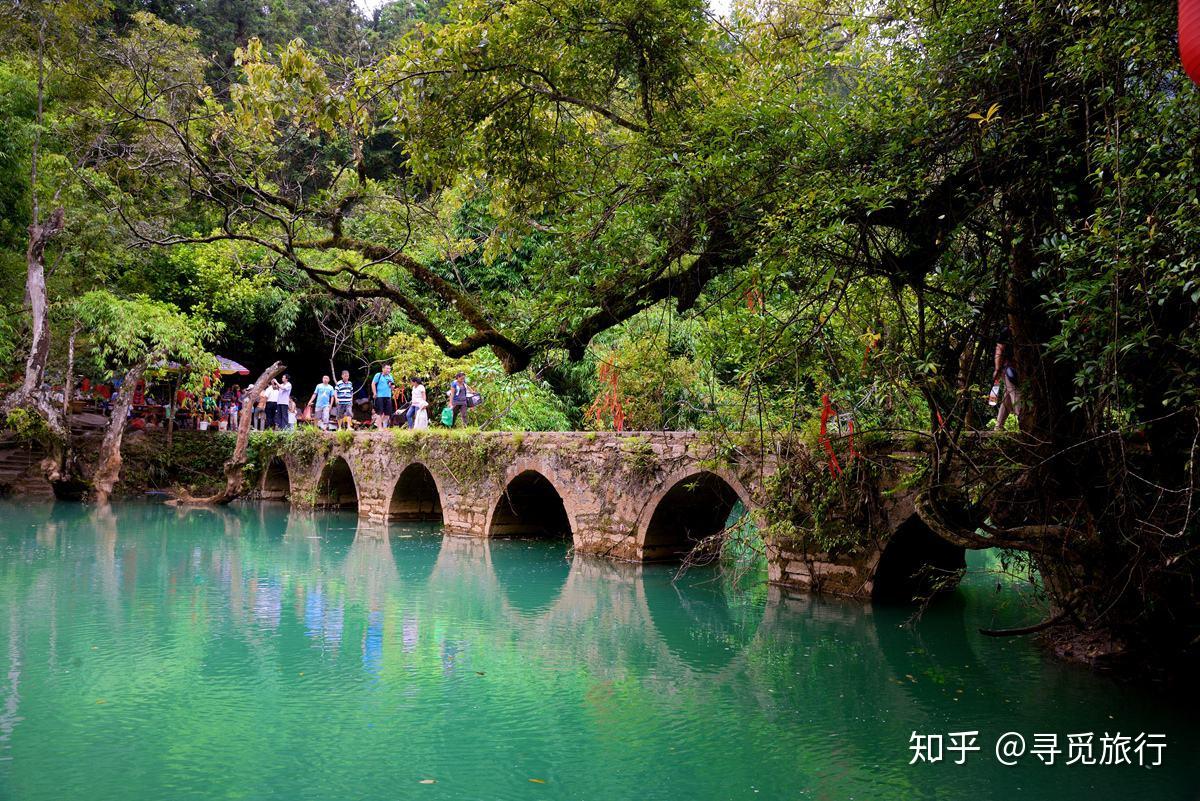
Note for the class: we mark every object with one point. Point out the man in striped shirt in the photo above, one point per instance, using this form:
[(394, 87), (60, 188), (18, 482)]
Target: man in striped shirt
[(345, 396)]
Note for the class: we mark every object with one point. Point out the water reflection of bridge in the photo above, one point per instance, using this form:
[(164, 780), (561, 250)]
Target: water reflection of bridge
[(381, 596)]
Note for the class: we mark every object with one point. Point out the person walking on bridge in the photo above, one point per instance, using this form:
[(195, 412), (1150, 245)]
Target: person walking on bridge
[(321, 401), (460, 399), (271, 408), (418, 414)]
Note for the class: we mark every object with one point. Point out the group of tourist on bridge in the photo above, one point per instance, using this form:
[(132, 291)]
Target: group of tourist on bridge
[(383, 402)]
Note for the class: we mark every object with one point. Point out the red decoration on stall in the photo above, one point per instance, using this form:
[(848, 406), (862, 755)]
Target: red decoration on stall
[(1189, 37)]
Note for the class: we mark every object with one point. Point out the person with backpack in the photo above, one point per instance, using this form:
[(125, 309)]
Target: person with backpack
[(382, 386), (1009, 396), (459, 396)]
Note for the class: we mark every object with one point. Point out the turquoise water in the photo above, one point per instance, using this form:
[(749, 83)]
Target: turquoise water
[(150, 653)]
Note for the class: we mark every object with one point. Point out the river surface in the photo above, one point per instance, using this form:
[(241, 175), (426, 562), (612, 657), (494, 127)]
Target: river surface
[(253, 653)]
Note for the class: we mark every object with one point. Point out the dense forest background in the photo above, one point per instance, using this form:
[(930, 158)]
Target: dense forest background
[(789, 219)]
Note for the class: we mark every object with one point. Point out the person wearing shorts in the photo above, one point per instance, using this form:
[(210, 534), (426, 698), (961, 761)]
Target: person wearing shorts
[(345, 398), (381, 391), (322, 401)]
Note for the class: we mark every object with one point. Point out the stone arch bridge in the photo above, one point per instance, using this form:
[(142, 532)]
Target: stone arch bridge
[(636, 497)]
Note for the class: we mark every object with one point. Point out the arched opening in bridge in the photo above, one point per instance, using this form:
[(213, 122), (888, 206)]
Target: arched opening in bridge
[(531, 507), (915, 564), (276, 483), (415, 496), (335, 488), (695, 508)]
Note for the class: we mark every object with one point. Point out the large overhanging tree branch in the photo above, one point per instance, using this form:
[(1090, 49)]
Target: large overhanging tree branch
[(241, 163)]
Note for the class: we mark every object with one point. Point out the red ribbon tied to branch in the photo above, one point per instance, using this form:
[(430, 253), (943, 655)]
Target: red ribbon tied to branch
[(1189, 37), (827, 411)]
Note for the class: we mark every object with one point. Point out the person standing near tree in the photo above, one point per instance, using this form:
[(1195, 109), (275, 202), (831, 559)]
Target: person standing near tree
[(381, 393), (1006, 372), (283, 402), (345, 397), (271, 409), (321, 400), (260, 411)]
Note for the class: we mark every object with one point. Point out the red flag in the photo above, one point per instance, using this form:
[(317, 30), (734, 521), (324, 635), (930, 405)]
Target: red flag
[(1189, 37)]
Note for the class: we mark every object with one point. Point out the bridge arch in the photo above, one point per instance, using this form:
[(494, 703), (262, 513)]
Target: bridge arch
[(336, 486), (276, 483), (690, 505), (415, 495), (914, 563), (531, 504)]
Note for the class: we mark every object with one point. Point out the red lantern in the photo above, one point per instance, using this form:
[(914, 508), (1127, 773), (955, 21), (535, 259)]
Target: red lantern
[(1189, 37)]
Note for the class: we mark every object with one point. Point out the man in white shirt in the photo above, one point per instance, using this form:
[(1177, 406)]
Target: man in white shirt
[(283, 402), (272, 407)]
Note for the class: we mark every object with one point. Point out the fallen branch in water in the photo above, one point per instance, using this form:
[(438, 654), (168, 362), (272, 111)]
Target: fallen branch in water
[(1034, 629)]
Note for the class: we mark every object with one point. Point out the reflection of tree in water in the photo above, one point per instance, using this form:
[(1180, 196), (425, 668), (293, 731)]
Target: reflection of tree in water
[(703, 621), (104, 526)]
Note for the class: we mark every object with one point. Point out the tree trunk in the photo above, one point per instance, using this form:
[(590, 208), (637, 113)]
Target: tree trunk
[(108, 470), (69, 383), (236, 463), (40, 235), (30, 395)]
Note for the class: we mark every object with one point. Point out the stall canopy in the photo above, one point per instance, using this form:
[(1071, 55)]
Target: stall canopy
[(225, 366)]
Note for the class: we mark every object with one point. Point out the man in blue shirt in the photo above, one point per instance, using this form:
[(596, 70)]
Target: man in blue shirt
[(321, 400), (381, 392), (345, 397)]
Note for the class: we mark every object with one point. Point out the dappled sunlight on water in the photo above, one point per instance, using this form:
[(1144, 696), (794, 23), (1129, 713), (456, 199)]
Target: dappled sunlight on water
[(152, 653)]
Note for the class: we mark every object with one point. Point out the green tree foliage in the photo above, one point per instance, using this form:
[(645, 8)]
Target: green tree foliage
[(124, 332), (521, 401)]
